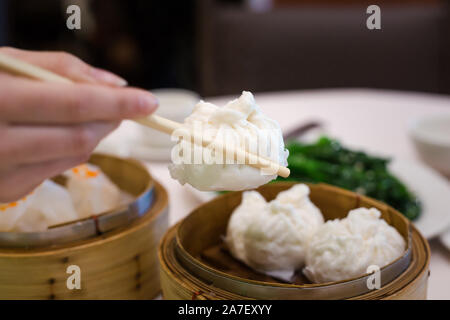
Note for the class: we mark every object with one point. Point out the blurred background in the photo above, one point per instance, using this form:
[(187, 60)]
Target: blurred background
[(217, 47)]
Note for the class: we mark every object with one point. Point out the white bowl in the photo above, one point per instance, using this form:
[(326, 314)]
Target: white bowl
[(174, 104), (431, 137), (136, 141)]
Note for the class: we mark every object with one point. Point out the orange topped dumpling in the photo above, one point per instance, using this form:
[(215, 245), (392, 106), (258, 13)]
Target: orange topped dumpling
[(49, 204), (91, 190), (11, 212)]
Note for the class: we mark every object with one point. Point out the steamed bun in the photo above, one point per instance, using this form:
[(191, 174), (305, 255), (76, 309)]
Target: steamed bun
[(92, 192), (240, 123), (11, 212), (343, 249), (50, 204), (272, 237)]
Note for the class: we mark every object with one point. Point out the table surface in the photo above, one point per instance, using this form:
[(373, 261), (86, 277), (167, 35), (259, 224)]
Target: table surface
[(374, 120)]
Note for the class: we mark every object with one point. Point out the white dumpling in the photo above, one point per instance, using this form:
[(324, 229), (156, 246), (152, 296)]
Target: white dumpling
[(92, 192), (11, 212), (272, 237), (50, 204), (345, 248), (240, 123)]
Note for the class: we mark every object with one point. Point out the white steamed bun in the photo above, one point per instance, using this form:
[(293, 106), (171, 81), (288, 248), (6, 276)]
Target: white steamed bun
[(343, 249), (11, 212), (50, 204), (245, 120), (92, 192), (273, 237)]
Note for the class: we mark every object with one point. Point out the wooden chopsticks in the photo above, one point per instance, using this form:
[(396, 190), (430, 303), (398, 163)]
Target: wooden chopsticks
[(24, 69)]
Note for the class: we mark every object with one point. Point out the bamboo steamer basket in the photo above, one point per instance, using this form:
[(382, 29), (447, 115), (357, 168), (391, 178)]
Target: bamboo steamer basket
[(187, 272), (118, 264)]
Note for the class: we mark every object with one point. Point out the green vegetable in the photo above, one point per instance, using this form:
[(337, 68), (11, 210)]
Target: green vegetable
[(328, 161)]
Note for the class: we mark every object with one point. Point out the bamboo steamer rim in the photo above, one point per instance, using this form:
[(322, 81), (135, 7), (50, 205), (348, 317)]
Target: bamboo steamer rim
[(177, 283), (160, 205), (187, 255), (169, 265)]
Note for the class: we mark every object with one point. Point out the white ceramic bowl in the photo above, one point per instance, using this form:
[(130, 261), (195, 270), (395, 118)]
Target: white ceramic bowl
[(431, 137), (136, 141), (174, 104)]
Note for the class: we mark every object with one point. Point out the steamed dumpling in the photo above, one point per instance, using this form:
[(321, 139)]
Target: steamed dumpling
[(50, 204), (343, 249), (92, 192), (240, 123), (89, 192), (11, 212), (272, 237)]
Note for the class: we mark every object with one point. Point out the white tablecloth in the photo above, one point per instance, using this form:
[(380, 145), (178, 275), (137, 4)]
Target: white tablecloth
[(374, 120)]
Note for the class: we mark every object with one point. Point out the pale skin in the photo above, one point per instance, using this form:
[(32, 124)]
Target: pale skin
[(47, 128)]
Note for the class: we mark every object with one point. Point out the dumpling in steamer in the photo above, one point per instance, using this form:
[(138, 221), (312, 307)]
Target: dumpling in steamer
[(272, 237), (345, 248), (50, 204), (11, 212), (92, 192)]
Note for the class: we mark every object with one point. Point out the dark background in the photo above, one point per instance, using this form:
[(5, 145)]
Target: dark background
[(222, 47)]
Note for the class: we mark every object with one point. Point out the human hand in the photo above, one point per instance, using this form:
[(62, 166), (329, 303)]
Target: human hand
[(47, 128)]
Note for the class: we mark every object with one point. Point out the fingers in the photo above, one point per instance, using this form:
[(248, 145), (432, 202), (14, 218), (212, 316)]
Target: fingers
[(18, 183), (28, 101), (67, 65), (33, 144), (47, 128)]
